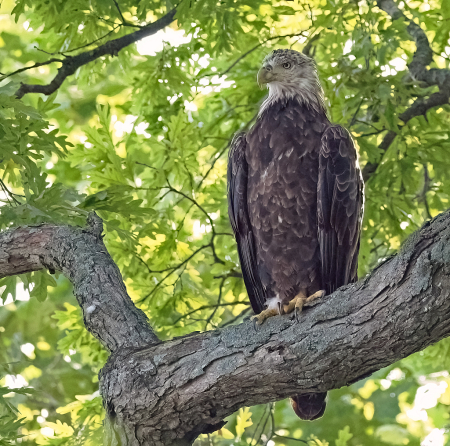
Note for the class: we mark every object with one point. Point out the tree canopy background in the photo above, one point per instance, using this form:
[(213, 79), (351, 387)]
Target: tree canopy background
[(141, 137)]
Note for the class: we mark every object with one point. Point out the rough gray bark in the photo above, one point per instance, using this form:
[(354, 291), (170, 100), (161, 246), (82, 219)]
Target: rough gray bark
[(168, 393), (81, 256)]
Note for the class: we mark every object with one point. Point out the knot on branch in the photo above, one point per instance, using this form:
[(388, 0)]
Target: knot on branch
[(94, 224)]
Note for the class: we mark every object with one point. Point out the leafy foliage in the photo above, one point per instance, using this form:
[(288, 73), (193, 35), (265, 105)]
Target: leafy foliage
[(142, 139)]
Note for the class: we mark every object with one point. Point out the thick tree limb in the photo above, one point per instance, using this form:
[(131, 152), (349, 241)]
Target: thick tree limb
[(81, 255), (168, 393), (112, 47), (419, 71)]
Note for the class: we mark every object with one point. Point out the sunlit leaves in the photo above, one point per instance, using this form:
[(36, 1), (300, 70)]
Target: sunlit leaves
[(77, 338), (343, 437), (243, 421)]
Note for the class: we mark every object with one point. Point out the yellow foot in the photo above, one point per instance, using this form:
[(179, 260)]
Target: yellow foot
[(261, 317), (298, 301)]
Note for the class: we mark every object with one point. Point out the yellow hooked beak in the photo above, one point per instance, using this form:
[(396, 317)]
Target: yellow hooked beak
[(265, 75)]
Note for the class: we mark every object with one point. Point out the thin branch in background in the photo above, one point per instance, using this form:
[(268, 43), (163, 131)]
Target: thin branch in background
[(353, 120), (264, 427), (257, 426), (124, 21), (9, 194), (309, 49), (222, 151), (194, 202), (217, 259), (120, 12), (290, 438), (175, 267), (418, 108), (232, 273), (243, 314), (90, 43), (206, 307), (272, 423), (170, 272), (213, 163), (208, 321), (273, 428), (422, 196), (172, 269), (363, 135), (36, 65), (71, 64), (243, 56), (368, 124)]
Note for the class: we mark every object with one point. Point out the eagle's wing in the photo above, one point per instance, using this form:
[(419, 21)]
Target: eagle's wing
[(237, 177), (340, 193)]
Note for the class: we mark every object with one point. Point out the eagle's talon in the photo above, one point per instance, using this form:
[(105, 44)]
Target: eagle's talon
[(265, 314), (297, 303), (254, 319)]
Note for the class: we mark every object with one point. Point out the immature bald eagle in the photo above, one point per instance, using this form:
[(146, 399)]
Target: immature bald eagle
[(295, 198)]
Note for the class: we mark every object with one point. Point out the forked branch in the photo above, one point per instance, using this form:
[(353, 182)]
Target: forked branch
[(167, 393)]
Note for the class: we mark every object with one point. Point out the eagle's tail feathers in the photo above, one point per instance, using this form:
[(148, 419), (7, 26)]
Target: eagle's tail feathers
[(309, 406)]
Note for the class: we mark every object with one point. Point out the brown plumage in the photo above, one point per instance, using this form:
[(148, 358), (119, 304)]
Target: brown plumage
[(295, 197)]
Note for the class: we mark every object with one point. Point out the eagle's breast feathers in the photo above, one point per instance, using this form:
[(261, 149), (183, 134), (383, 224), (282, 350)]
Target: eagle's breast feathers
[(296, 211)]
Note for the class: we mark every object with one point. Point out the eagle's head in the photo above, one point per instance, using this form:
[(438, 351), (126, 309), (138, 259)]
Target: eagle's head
[(290, 74)]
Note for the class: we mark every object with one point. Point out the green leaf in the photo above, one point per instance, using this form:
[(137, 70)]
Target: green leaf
[(42, 279), (243, 421), (343, 436)]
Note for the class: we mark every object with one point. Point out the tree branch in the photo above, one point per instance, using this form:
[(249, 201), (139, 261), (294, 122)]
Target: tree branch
[(179, 389), (419, 108), (71, 63), (419, 71), (168, 393), (81, 255)]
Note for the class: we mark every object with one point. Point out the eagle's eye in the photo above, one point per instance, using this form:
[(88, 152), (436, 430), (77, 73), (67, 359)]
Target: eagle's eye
[(287, 65)]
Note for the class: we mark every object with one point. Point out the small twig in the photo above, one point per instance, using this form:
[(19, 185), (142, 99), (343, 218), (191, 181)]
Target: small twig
[(195, 203), (373, 133), (171, 271), (124, 21), (36, 65), (243, 56), (221, 153), (257, 426), (290, 438), (367, 123), (236, 318), (91, 43), (218, 303), (206, 307), (422, 196), (120, 12), (9, 194), (309, 45), (263, 428), (353, 120)]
